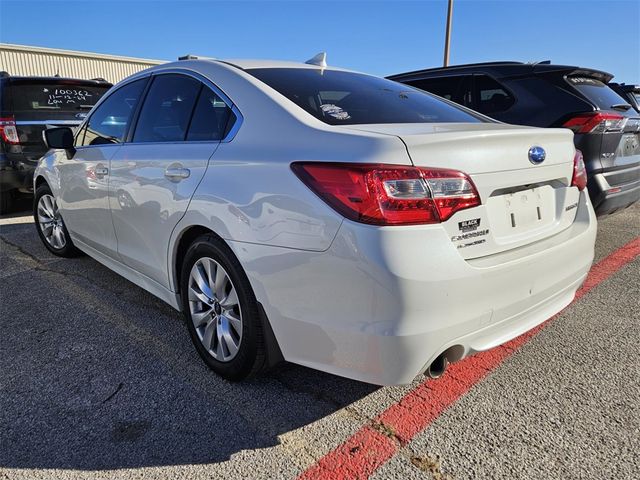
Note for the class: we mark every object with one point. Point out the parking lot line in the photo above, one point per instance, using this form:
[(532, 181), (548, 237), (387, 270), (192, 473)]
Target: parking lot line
[(375, 443)]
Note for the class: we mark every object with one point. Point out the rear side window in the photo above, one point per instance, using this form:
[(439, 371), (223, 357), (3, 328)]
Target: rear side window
[(346, 98), (597, 92), (167, 109), (450, 88), (109, 122), (491, 97), (212, 118)]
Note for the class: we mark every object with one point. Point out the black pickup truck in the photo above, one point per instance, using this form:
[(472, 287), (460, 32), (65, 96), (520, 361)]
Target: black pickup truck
[(29, 105)]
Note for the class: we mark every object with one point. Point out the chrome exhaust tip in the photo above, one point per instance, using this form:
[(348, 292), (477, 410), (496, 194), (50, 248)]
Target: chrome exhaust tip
[(437, 367)]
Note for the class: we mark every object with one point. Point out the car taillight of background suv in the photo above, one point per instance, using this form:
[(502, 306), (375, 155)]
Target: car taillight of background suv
[(606, 127), (29, 105)]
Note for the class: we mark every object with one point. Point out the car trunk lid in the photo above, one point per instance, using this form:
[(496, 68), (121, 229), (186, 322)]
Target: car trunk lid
[(522, 202)]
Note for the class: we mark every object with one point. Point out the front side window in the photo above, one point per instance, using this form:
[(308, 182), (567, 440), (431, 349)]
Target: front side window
[(346, 98), (167, 109), (78, 140), (109, 122), (491, 97)]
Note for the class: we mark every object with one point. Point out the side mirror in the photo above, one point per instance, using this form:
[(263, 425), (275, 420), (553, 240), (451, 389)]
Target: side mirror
[(60, 138)]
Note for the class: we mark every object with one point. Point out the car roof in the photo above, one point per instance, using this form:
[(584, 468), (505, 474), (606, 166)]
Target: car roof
[(25, 79), (506, 69), (626, 87), (248, 64)]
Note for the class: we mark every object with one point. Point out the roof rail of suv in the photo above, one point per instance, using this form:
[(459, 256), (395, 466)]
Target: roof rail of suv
[(450, 67), (477, 65), (627, 87)]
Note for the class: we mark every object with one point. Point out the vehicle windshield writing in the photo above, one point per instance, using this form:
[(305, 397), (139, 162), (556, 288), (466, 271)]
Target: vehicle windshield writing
[(44, 97)]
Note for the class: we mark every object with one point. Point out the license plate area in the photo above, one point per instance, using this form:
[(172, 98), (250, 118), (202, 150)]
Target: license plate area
[(629, 145), (519, 213)]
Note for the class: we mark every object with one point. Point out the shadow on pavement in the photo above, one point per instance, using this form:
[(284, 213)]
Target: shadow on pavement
[(21, 206), (98, 374)]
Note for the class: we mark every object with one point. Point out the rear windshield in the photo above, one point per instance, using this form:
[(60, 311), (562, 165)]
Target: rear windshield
[(601, 95), (54, 98), (346, 98)]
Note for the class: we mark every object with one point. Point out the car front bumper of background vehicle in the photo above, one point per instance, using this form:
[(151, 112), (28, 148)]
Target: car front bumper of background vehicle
[(383, 302)]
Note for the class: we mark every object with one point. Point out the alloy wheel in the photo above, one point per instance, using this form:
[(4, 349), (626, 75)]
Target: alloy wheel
[(215, 309), (50, 221)]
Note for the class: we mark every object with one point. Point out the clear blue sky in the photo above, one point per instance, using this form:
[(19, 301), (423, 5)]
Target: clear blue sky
[(381, 37)]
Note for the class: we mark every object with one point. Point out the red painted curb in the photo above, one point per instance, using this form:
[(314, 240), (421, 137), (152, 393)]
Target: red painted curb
[(371, 447)]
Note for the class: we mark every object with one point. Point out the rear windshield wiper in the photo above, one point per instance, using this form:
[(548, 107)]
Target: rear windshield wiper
[(621, 106)]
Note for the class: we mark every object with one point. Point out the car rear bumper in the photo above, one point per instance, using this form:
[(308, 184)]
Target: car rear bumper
[(382, 303), (15, 175), (615, 190)]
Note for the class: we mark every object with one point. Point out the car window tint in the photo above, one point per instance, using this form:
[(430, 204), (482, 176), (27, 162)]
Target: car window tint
[(491, 96), (346, 98), (597, 92), (211, 117), (446, 87), (167, 108), (109, 122)]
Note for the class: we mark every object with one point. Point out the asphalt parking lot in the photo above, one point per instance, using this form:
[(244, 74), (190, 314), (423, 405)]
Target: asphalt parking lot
[(98, 379)]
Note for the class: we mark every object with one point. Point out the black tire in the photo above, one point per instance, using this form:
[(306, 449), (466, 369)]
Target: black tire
[(68, 250), (251, 355), (6, 201)]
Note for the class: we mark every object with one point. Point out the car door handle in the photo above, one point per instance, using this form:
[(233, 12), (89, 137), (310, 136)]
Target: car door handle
[(177, 174), (101, 171)]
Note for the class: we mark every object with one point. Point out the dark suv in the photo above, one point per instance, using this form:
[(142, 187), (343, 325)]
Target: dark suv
[(631, 93), (28, 105), (606, 127)]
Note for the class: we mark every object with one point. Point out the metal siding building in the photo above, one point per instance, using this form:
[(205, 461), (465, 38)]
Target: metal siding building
[(40, 61)]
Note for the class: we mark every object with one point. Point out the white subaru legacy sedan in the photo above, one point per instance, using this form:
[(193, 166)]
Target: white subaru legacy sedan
[(325, 217)]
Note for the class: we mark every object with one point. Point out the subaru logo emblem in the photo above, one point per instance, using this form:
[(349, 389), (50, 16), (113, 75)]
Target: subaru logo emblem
[(537, 155)]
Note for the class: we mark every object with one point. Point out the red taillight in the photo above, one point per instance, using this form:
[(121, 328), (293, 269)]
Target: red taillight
[(596, 122), (8, 130), (389, 194), (579, 171)]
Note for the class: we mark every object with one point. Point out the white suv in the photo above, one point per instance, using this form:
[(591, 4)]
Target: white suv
[(331, 218)]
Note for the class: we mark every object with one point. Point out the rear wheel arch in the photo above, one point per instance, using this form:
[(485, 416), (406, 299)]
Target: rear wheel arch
[(186, 238), (184, 241)]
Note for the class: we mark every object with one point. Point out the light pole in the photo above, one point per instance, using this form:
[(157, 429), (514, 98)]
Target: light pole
[(447, 39)]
